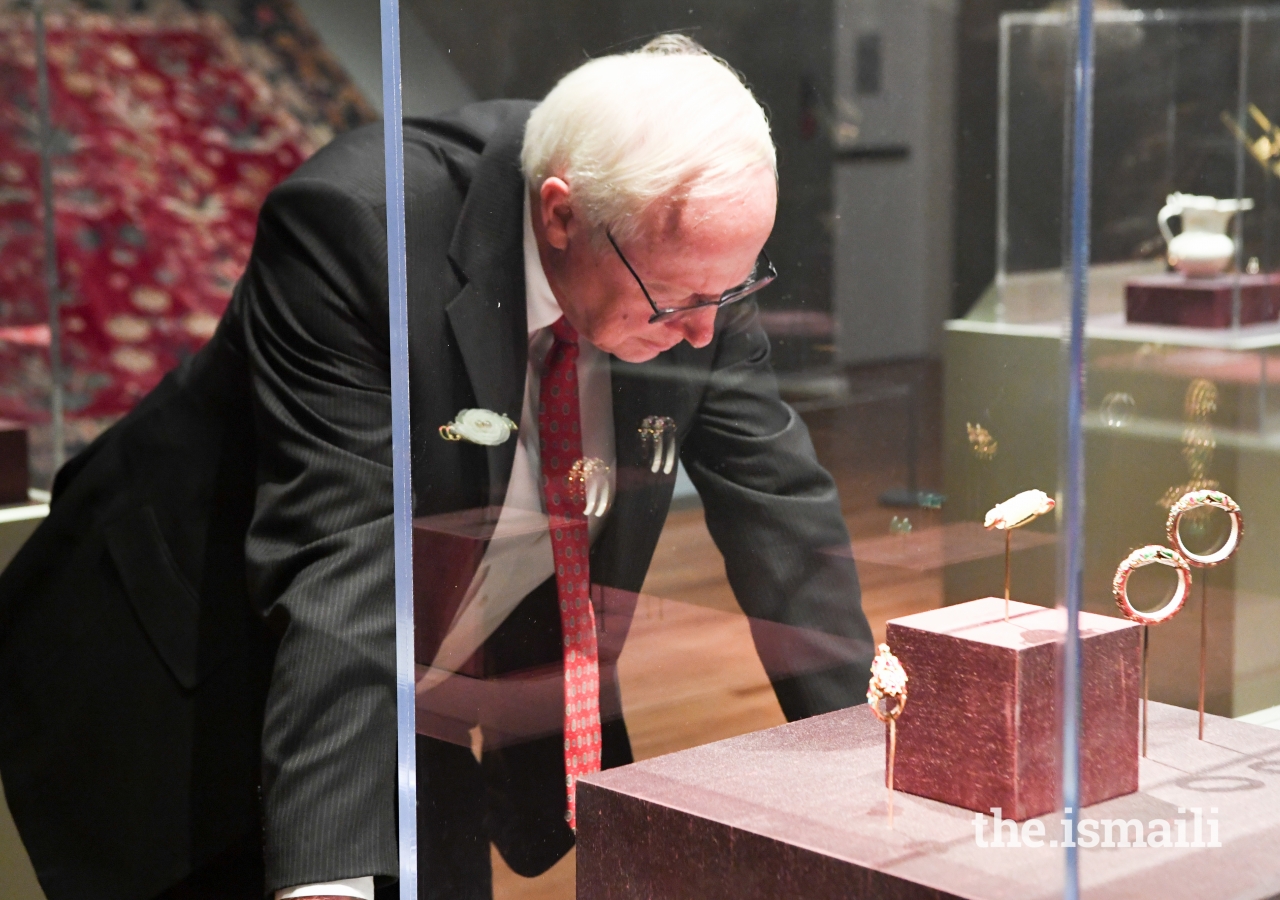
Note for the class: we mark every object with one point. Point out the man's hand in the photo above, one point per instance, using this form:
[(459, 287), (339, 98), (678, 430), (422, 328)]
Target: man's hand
[(347, 888)]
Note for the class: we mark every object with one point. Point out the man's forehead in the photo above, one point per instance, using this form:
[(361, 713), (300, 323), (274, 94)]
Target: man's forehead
[(746, 206)]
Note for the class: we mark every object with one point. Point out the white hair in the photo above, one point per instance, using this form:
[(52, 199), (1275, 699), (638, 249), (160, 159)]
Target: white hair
[(664, 123)]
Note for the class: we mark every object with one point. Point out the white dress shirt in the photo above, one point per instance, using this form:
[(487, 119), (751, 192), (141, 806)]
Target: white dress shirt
[(519, 556)]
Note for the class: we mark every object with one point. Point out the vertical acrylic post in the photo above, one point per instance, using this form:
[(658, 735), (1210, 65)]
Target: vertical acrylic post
[(397, 267), (1002, 173), (1242, 103), (53, 293), (1073, 461)]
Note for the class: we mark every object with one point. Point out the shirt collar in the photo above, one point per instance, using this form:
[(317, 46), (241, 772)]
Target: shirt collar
[(541, 307)]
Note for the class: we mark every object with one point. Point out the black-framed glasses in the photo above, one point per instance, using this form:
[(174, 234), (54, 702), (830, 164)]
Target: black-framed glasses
[(761, 275)]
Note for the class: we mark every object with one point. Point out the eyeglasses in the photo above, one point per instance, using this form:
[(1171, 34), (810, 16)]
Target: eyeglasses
[(761, 275)]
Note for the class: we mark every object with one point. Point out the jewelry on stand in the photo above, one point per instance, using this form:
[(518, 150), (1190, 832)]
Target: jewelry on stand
[(888, 683), (1152, 554), (1018, 510), (1187, 503)]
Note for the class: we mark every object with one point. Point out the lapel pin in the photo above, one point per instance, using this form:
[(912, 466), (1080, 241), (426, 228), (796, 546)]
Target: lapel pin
[(659, 434), (478, 426), (589, 485)]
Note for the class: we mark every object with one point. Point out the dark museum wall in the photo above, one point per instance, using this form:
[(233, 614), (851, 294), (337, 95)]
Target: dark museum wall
[(352, 32), (785, 50)]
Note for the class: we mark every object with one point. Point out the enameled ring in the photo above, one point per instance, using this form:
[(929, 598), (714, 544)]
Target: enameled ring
[(1152, 554), (1197, 500)]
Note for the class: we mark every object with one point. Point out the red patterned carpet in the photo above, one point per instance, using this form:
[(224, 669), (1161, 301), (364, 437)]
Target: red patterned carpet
[(166, 142)]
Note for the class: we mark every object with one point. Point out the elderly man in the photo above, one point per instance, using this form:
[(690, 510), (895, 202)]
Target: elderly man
[(196, 649)]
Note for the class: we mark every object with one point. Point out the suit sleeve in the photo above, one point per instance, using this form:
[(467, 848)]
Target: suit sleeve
[(775, 516), (313, 304)]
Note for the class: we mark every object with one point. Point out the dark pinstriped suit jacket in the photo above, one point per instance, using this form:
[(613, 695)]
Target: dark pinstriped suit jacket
[(198, 643)]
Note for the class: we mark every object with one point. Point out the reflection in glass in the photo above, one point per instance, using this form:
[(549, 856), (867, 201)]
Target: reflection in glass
[(1118, 408)]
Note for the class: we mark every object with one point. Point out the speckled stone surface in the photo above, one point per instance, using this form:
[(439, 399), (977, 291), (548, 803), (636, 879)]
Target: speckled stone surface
[(799, 812), (981, 726)]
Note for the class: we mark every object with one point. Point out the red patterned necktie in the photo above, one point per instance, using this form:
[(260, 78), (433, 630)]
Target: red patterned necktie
[(560, 435)]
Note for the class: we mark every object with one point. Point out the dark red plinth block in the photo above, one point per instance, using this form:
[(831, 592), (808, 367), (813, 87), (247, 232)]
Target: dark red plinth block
[(14, 476), (799, 811), (1202, 302), (982, 725)]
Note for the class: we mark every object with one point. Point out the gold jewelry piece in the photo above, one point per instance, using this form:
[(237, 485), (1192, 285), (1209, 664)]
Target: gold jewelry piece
[(1152, 554), (984, 446), (888, 682), (589, 485), (1203, 500), (1018, 510), (1201, 399), (658, 435), (1198, 441), (479, 426), (1146, 556), (1266, 147)]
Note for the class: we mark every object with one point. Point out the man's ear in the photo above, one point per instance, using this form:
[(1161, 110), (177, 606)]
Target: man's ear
[(555, 212)]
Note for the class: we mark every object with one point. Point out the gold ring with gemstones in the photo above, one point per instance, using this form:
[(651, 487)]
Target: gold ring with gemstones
[(1152, 554), (888, 682), (1200, 500)]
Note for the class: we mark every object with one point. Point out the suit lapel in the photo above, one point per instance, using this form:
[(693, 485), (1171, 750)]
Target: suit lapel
[(488, 315), (489, 323), (639, 391), (495, 354), (621, 556)]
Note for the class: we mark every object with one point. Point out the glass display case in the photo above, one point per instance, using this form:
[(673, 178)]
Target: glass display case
[(138, 142), (31, 411), (408, 342), (687, 650), (1183, 109)]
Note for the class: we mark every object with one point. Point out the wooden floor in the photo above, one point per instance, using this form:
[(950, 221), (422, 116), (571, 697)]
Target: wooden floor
[(689, 672)]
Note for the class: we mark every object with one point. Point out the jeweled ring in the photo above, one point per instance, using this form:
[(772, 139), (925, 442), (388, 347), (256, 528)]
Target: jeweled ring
[(1197, 500), (1146, 556), (888, 682)]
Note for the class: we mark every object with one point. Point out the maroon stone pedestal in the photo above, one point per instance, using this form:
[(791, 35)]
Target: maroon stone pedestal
[(799, 812), (981, 726), (14, 475), (1174, 299)]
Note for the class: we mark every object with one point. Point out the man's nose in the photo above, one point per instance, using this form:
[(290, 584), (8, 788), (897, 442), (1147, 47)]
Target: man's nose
[(699, 327)]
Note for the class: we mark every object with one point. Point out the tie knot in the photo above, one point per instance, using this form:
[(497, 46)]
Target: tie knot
[(564, 332)]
